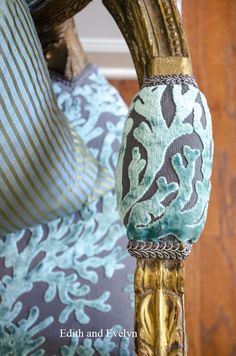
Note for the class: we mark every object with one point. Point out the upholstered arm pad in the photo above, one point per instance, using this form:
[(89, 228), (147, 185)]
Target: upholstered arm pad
[(164, 168)]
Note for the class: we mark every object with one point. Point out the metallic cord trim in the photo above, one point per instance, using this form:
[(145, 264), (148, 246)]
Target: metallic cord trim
[(170, 80), (163, 250)]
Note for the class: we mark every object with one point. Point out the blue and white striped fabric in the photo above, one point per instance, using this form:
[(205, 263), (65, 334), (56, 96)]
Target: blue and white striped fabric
[(45, 169)]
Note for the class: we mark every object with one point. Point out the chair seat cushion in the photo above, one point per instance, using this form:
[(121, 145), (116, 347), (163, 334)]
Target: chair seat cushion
[(71, 277)]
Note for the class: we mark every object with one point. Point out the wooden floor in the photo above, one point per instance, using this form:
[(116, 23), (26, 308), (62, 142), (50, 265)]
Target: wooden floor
[(211, 269)]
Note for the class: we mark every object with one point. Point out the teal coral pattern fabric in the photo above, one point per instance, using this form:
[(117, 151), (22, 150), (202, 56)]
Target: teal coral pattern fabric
[(73, 272), (102, 120), (46, 171), (164, 167)]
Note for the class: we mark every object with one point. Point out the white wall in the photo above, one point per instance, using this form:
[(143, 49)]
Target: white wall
[(103, 42)]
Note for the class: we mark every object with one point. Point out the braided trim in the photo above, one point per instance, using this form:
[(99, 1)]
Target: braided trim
[(163, 250), (170, 80)]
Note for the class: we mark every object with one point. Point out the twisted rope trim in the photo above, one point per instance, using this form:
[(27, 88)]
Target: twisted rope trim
[(170, 80), (163, 250)]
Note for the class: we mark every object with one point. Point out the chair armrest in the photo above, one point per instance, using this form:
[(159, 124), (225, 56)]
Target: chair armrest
[(154, 34)]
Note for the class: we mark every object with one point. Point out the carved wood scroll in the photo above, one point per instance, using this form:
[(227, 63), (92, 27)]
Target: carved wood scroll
[(159, 308)]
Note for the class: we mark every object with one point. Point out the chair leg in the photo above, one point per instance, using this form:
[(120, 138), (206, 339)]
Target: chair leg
[(159, 308)]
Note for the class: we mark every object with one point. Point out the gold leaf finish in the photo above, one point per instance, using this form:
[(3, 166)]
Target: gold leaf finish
[(169, 65), (153, 32), (159, 308)]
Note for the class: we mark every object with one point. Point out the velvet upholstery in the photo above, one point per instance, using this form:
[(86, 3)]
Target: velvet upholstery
[(164, 166)]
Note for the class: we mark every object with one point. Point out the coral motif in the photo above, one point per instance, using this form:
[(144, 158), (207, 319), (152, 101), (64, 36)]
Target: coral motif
[(151, 218), (104, 128), (18, 340), (72, 242), (130, 289), (67, 256)]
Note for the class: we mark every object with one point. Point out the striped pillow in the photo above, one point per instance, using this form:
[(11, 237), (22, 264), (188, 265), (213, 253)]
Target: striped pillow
[(46, 171)]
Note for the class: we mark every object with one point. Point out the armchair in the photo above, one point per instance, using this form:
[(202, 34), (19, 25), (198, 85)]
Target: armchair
[(159, 49)]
